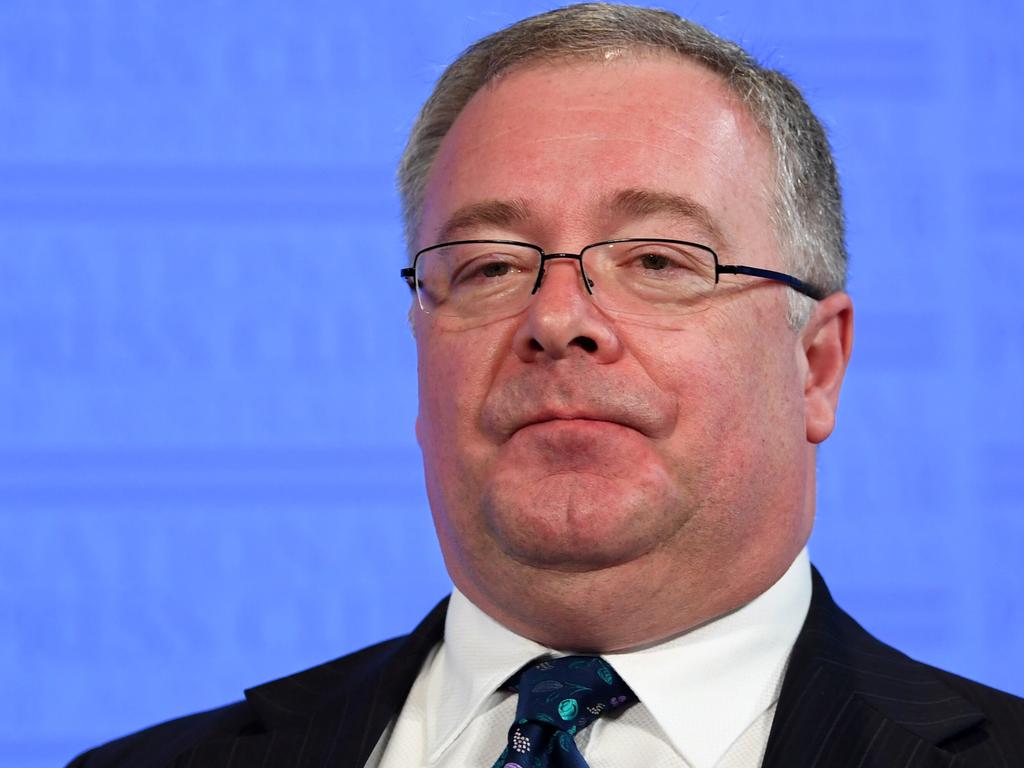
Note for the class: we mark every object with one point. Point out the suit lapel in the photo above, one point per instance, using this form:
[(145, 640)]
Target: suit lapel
[(849, 701)]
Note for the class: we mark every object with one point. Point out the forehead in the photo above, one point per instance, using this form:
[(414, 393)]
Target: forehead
[(563, 139)]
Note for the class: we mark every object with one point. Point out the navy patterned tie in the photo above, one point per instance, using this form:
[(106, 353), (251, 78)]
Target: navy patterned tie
[(558, 698)]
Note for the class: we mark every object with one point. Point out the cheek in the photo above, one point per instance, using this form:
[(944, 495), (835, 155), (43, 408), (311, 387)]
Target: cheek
[(730, 374), (456, 369), (759, 425), (687, 364)]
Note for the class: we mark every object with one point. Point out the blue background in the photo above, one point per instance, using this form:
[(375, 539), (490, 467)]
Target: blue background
[(208, 474)]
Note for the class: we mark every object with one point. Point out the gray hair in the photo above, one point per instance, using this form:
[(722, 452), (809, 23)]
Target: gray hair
[(807, 210)]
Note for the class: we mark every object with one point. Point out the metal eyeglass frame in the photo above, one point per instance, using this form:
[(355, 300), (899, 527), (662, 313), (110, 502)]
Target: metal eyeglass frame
[(409, 273)]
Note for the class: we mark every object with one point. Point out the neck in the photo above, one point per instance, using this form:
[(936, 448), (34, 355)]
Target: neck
[(625, 608)]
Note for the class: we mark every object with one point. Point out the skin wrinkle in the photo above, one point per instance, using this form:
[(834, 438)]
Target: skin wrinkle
[(565, 567), (630, 206), (727, 127)]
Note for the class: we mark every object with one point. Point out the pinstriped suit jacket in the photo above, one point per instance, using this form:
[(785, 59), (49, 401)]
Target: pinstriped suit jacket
[(848, 701)]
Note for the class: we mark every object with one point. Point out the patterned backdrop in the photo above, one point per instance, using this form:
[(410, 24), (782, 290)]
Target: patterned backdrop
[(208, 474)]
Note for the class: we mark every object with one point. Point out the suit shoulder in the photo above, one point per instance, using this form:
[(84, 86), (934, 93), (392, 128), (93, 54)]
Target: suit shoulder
[(981, 694), (159, 744), (979, 725)]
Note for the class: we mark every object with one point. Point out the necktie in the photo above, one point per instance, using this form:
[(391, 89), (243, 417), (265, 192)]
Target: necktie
[(557, 699)]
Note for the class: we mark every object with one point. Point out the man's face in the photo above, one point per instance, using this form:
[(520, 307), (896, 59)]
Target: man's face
[(579, 461)]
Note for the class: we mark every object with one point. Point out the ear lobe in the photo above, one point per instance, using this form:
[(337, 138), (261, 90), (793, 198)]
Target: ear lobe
[(827, 341)]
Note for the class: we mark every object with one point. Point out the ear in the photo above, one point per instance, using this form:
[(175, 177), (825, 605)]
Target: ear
[(826, 343)]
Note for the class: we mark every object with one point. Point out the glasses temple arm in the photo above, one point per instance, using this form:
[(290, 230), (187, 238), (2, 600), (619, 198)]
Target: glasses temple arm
[(770, 274)]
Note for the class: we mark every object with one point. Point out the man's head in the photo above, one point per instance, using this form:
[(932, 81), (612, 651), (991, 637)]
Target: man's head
[(600, 480)]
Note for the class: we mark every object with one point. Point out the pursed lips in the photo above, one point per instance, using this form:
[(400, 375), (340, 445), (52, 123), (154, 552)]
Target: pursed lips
[(581, 418), (533, 399)]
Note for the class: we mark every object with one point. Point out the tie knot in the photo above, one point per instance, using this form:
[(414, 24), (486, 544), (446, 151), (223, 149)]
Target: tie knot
[(569, 693)]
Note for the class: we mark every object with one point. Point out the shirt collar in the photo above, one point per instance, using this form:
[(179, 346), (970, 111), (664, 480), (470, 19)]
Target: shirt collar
[(704, 687)]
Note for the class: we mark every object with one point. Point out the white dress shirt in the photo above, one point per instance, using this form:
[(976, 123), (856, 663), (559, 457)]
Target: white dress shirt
[(707, 697)]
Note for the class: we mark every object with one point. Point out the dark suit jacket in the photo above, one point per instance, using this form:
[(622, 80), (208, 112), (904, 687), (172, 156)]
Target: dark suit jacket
[(848, 701)]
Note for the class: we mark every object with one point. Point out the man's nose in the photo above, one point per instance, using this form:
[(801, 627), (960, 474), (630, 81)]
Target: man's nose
[(562, 318)]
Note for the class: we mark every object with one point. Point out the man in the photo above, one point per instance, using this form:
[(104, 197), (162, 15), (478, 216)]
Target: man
[(627, 267)]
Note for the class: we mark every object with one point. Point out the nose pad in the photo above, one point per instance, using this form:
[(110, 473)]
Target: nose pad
[(588, 284)]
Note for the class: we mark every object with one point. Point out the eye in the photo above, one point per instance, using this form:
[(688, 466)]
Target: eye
[(495, 269), (661, 258), (473, 266), (492, 266), (655, 261)]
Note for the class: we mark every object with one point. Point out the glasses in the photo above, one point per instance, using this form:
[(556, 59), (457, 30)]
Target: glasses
[(476, 279)]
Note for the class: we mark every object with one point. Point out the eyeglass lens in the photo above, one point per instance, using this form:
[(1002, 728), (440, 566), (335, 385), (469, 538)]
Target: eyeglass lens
[(648, 277)]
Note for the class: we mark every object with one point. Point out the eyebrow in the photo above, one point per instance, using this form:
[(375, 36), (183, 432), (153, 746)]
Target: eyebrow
[(640, 203), (628, 203), (487, 213)]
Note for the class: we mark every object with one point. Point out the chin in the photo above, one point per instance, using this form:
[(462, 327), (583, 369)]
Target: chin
[(580, 523)]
